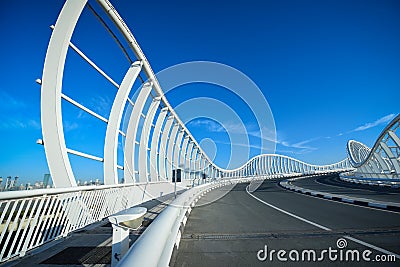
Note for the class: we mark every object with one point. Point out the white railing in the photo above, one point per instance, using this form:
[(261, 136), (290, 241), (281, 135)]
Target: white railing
[(167, 228), (280, 165), (32, 218)]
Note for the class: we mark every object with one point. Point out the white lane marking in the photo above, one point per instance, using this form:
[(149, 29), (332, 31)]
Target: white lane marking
[(323, 227), (372, 246), (288, 213)]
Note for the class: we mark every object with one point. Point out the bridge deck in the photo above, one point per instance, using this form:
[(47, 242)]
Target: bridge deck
[(231, 230)]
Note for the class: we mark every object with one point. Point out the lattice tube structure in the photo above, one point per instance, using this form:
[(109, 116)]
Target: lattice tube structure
[(382, 161)]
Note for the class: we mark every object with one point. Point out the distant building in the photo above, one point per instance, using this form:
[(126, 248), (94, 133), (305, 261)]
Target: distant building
[(8, 183), (47, 181), (15, 182)]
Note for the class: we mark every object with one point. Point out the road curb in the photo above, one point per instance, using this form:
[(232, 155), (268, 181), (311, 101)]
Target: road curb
[(286, 184), (368, 182)]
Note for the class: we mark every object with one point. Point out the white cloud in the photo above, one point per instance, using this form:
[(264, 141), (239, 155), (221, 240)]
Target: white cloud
[(34, 124), (81, 114), (14, 114), (369, 125), (229, 127), (302, 144), (69, 126), (297, 148), (301, 147), (101, 104), (8, 102), (239, 144), (18, 123), (211, 125)]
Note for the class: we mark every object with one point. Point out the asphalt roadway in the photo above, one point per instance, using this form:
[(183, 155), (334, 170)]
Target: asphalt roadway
[(232, 230), (333, 184)]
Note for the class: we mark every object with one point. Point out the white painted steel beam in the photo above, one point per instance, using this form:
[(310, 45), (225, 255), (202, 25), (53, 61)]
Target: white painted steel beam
[(127, 34), (114, 122), (91, 63), (177, 149), (53, 71), (391, 157), (394, 137), (170, 150), (84, 155), (163, 147), (183, 156), (197, 163), (144, 141), (193, 158), (82, 107), (188, 160), (154, 149), (129, 151)]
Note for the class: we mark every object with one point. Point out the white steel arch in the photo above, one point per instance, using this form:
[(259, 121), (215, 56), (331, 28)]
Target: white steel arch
[(170, 150), (144, 140), (163, 147), (380, 161), (167, 150), (111, 142), (53, 136), (178, 149), (51, 117), (131, 132), (155, 143)]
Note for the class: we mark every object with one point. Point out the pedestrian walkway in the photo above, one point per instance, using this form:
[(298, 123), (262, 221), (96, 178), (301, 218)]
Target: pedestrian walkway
[(90, 245)]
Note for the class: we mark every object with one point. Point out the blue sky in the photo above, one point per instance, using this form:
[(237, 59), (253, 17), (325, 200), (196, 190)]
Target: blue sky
[(330, 71)]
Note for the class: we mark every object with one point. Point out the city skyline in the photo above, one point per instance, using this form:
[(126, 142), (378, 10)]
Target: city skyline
[(326, 70)]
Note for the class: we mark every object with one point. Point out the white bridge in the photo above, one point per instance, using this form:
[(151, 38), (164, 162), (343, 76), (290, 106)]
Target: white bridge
[(157, 143), (380, 163)]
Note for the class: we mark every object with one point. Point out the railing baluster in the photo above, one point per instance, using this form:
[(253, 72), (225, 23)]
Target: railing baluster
[(6, 226), (57, 212), (20, 226)]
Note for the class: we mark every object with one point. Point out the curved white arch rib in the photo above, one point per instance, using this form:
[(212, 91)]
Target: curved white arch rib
[(171, 145), (357, 152), (383, 159), (51, 117), (112, 132)]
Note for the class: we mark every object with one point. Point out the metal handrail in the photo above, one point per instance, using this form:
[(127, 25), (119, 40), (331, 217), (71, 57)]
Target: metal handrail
[(29, 219), (8, 195)]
